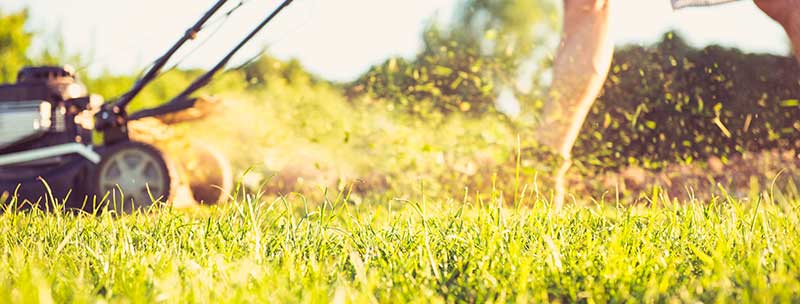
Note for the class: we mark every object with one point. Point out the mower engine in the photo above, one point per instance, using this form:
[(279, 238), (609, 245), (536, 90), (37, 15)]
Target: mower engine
[(45, 134), (43, 109), (22, 120)]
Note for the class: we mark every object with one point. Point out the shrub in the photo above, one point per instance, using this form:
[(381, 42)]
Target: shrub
[(671, 102)]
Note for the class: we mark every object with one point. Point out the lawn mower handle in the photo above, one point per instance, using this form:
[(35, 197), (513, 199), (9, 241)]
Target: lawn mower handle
[(184, 100), (152, 73)]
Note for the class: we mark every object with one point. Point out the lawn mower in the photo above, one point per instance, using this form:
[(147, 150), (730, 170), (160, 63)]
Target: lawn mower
[(60, 144)]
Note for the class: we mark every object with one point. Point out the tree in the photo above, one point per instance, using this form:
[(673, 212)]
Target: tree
[(14, 43), (507, 30), (464, 65)]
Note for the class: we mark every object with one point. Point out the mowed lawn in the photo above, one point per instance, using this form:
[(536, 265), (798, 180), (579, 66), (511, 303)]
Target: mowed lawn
[(396, 251)]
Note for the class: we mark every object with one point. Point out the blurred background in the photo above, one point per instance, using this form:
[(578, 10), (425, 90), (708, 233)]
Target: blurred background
[(392, 98), (342, 39)]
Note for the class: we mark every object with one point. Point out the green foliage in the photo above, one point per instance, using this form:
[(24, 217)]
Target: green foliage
[(14, 43), (452, 78), (507, 30), (15, 54), (396, 252), (672, 103), (258, 71), (464, 65)]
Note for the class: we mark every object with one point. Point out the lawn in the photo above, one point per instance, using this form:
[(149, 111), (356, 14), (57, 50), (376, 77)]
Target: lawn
[(291, 250)]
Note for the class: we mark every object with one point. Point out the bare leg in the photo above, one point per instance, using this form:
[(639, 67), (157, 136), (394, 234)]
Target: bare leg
[(580, 69), (787, 13)]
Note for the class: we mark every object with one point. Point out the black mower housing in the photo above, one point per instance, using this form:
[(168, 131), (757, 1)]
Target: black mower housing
[(79, 121), (61, 88), (67, 96)]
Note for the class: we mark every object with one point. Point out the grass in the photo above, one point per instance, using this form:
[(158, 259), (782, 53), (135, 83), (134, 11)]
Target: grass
[(394, 251)]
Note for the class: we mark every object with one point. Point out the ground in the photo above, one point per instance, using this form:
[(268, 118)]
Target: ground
[(394, 251)]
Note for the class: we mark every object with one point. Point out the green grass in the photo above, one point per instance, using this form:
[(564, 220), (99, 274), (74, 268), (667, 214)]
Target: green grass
[(395, 251)]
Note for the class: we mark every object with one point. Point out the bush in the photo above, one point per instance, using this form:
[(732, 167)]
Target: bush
[(671, 102), (14, 43)]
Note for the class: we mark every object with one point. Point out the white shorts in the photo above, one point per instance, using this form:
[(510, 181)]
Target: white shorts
[(687, 3)]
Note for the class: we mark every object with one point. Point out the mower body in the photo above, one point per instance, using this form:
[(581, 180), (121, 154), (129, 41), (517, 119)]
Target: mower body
[(53, 152), (60, 144), (45, 136)]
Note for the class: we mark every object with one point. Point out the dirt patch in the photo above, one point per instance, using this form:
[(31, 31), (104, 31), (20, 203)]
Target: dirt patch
[(740, 177)]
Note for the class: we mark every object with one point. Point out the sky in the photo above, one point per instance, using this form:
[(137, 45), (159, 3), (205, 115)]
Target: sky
[(340, 39)]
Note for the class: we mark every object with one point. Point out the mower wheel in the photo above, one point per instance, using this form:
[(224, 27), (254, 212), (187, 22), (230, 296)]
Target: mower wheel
[(209, 174), (131, 176)]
